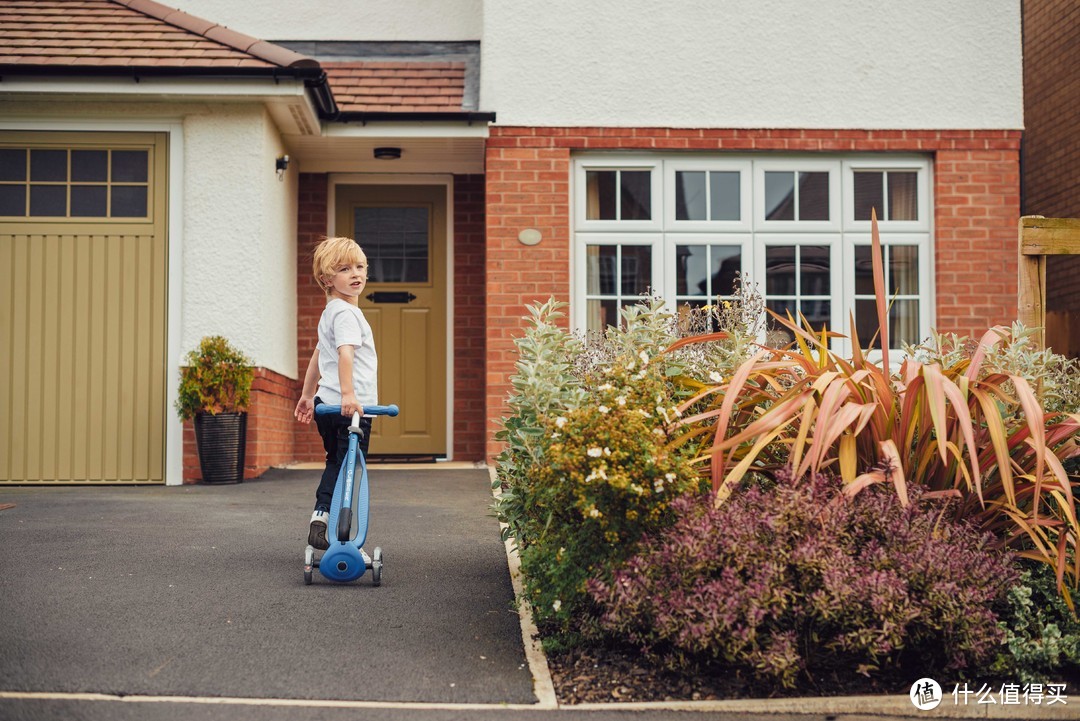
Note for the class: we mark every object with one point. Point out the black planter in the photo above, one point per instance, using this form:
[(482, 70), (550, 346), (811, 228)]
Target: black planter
[(220, 441)]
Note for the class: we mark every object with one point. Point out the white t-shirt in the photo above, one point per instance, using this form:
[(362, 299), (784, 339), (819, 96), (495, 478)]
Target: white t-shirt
[(344, 324)]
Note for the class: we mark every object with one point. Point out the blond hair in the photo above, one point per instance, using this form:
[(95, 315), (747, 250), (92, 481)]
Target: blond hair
[(331, 254)]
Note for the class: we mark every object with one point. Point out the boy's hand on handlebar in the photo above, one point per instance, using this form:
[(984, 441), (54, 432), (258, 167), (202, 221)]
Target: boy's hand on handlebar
[(350, 406), (305, 410)]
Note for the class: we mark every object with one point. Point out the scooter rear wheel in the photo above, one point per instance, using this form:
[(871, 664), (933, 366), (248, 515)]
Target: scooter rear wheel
[(376, 566)]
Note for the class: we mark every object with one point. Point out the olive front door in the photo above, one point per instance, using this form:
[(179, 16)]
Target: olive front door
[(402, 230)]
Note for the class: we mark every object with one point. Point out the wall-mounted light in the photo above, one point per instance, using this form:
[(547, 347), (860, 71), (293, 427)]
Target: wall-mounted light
[(387, 153), (281, 165)]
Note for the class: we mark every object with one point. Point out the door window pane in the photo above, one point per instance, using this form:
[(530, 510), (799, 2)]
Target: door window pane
[(864, 270), (12, 200), (690, 195), (724, 194), (779, 196), (814, 270), (616, 276), (130, 166), (903, 269), (129, 201), (600, 275), (13, 164), (48, 166), (636, 270), (89, 166), (89, 201), (704, 272), (48, 201), (780, 270), (395, 241)]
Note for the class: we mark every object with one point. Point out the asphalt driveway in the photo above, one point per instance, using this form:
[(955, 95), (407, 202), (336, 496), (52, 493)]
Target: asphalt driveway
[(198, 591)]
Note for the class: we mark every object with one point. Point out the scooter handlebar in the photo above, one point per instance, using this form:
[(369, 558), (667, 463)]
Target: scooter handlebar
[(324, 409)]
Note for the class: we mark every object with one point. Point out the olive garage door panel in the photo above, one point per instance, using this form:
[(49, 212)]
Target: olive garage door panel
[(83, 275)]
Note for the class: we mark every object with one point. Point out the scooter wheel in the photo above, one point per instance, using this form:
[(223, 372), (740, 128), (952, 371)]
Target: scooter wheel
[(376, 567), (307, 578)]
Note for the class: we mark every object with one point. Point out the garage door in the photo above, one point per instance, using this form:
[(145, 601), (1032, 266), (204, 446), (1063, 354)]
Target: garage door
[(82, 321)]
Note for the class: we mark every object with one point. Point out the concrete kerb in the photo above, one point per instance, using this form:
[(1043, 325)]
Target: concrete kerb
[(885, 706)]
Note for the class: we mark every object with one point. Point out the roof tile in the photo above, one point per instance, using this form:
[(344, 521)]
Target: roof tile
[(383, 86)]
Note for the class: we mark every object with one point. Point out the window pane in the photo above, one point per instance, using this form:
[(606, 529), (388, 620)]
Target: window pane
[(726, 264), (866, 323), (90, 165), (602, 313), (903, 323), (89, 201), (395, 241), (903, 196), (813, 196), (903, 269), (636, 195), (780, 270), (48, 166), (779, 196), (600, 262), (129, 201), (48, 200), (868, 194), (636, 270), (724, 195), (691, 270), (12, 200), (864, 270), (129, 166), (814, 270), (818, 313), (777, 334), (12, 164), (600, 189), (690, 195)]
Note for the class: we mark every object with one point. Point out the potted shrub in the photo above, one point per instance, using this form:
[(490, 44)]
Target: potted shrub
[(215, 385)]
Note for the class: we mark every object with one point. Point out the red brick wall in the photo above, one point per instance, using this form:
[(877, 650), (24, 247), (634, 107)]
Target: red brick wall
[(528, 173), (469, 314), (270, 434)]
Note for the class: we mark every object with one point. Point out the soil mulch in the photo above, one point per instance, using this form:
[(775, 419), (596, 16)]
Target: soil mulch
[(606, 675)]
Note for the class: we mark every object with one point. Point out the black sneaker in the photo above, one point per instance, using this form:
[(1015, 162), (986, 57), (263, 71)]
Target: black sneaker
[(316, 536)]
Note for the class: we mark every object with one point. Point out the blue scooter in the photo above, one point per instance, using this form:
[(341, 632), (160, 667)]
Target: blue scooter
[(344, 561)]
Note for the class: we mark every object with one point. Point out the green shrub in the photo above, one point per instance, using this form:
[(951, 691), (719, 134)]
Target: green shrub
[(216, 379), (1042, 636)]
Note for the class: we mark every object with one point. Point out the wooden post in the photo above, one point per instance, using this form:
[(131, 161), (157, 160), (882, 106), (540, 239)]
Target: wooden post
[(1040, 237)]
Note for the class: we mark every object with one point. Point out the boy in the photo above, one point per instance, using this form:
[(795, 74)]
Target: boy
[(343, 367)]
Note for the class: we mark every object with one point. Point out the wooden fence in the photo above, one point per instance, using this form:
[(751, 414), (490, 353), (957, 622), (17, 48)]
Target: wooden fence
[(1041, 237)]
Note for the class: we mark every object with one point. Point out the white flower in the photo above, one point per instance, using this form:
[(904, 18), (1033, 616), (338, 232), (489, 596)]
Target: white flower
[(631, 366), (621, 400), (607, 451), (636, 489), (594, 513), (557, 605), (594, 452), (658, 431), (670, 477), (644, 358), (556, 435), (606, 387), (658, 485), (603, 409), (716, 377), (560, 422)]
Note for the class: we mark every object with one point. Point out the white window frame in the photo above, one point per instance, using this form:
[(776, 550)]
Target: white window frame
[(707, 165), (797, 165), (841, 233), (885, 164), (626, 163), (579, 310)]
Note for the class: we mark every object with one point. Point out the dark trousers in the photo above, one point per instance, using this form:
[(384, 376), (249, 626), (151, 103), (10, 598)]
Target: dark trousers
[(334, 430)]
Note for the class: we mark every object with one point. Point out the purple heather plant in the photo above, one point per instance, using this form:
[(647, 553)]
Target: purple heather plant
[(798, 578)]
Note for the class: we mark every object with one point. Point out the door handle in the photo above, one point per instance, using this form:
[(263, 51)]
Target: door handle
[(391, 296)]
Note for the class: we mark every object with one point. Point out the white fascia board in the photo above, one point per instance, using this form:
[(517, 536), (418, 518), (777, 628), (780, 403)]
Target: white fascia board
[(405, 129)]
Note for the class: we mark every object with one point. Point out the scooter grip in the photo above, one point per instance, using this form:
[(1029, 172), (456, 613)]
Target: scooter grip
[(324, 409)]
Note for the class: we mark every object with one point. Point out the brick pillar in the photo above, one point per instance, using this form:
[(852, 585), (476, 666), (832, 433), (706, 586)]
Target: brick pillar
[(310, 299), (528, 186), (469, 308)]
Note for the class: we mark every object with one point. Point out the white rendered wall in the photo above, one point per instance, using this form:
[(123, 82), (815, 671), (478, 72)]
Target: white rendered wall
[(390, 20), (754, 63), (239, 236)]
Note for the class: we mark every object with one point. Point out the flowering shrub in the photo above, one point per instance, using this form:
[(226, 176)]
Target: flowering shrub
[(799, 578), (1042, 636)]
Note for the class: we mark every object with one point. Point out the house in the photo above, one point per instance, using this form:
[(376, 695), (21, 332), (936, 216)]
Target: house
[(1051, 151), (164, 175)]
